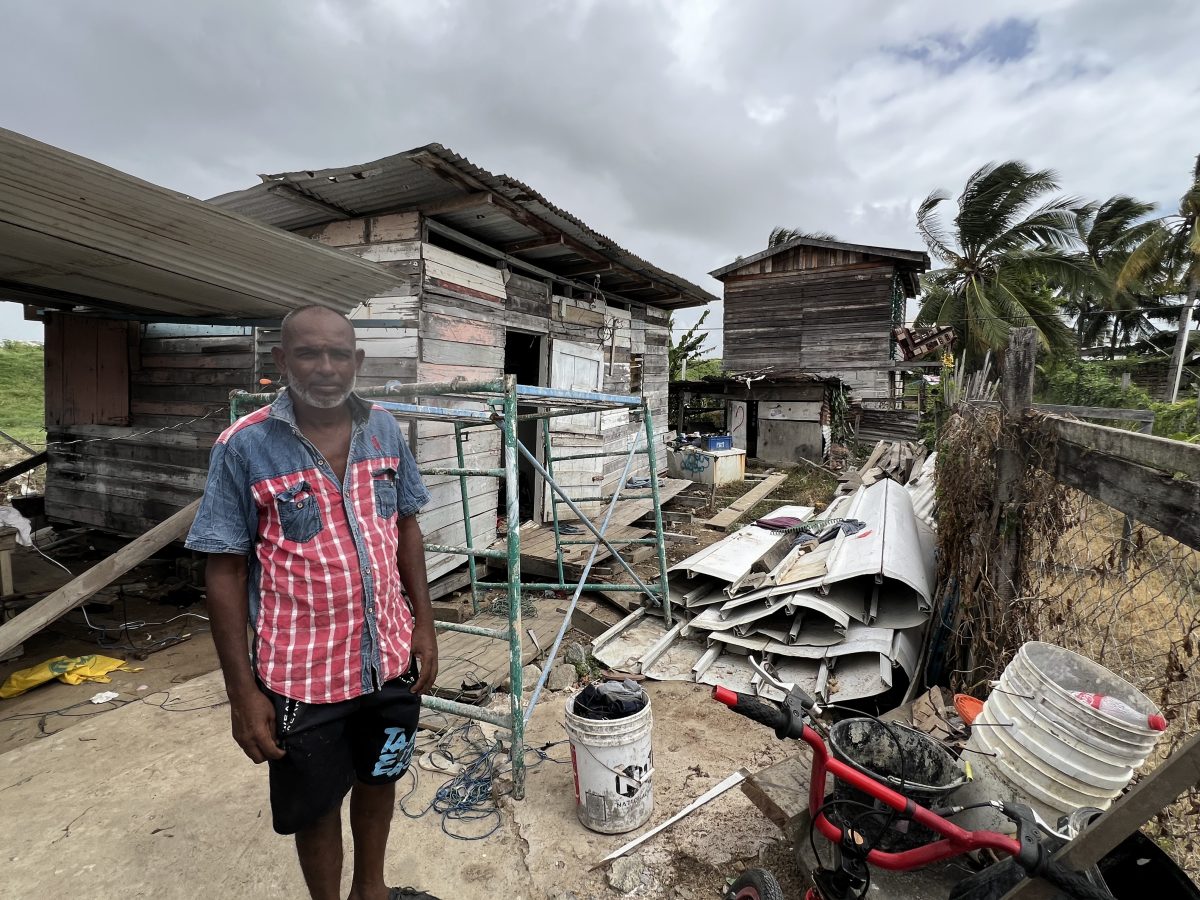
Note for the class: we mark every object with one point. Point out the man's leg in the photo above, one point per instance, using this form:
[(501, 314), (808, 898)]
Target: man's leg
[(383, 734), (371, 807), (319, 847)]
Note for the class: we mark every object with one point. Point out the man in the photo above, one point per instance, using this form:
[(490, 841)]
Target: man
[(308, 520)]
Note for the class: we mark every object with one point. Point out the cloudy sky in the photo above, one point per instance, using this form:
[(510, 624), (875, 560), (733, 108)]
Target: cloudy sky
[(683, 129)]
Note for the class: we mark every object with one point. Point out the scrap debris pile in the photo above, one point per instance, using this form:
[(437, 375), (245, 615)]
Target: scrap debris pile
[(834, 603)]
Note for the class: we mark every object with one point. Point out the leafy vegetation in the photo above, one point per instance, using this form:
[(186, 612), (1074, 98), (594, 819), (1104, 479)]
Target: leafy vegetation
[(1002, 249), (1076, 383), (22, 404), (780, 236), (1014, 253), (690, 347), (1170, 257), (1177, 420)]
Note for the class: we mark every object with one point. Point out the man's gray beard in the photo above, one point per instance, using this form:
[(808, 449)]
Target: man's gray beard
[(320, 403)]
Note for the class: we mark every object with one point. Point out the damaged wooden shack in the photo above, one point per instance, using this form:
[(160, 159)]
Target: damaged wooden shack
[(477, 275), (820, 307)]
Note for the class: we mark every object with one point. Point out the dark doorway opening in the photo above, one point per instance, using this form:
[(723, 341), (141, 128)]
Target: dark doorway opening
[(524, 356)]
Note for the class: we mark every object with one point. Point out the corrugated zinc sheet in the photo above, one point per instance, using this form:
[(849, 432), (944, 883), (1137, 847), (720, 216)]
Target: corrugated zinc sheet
[(424, 176), (73, 230)]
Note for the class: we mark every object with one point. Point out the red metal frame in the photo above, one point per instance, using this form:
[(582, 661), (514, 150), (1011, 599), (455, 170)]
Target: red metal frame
[(955, 840)]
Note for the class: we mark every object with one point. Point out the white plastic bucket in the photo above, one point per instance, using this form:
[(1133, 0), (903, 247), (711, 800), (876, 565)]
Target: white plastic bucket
[(613, 761), (1035, 743)]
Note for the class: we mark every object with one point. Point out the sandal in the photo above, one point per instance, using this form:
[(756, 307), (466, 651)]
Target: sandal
[(412, 893)]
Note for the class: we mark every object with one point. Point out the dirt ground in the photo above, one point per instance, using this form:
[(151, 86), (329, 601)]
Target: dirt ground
[(153, 798)]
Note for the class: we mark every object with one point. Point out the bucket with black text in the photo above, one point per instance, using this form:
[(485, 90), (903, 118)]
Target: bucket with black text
[(613, 762)]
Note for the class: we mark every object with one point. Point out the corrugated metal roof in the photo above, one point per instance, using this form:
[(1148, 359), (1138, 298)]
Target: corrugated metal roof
[(425, 177), (73, 231), (913, 259)]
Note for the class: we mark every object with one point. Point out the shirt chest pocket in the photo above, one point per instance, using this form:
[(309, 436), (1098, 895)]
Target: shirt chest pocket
[(384, 481), (299, 515)]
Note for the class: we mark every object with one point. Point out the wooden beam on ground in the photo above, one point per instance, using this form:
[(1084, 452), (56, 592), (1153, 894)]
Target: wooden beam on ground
[(730, 514), (25, 465), (780, 791), (79, 589), (1159, 453), (1144, 800)]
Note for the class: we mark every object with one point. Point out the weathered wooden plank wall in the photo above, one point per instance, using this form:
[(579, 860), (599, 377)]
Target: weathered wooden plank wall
[(813, 310), (118, 477)]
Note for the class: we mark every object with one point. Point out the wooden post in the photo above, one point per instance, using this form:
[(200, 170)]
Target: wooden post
[(1016, 396), (1144, 800), (1127, 527)]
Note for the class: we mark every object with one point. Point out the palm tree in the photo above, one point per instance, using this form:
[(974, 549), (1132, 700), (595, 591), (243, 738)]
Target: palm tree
[(1172, 252), (1000, 259), (1108, 233), (781, 235)]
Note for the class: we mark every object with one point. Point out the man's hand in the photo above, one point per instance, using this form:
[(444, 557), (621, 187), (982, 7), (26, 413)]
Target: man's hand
[(424, 651), (253, 717)]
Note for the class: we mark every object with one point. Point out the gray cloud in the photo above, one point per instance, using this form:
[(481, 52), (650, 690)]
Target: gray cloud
[(685, 130)]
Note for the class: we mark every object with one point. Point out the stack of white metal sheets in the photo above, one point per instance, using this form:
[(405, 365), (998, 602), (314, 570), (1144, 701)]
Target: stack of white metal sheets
[(838, 617)]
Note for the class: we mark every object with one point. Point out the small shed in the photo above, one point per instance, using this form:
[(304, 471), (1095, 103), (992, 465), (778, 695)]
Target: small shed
[(777, 420), (812, 306)]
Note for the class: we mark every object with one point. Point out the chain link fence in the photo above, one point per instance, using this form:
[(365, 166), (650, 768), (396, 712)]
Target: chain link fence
[(1118, 592)]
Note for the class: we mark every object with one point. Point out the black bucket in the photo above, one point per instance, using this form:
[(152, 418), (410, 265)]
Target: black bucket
[(905, 760)]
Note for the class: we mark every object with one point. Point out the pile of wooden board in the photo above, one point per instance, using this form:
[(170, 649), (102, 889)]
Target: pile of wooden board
[(897, 460)]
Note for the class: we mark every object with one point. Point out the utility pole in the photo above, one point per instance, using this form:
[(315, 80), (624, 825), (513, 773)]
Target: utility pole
[(1181, 340)]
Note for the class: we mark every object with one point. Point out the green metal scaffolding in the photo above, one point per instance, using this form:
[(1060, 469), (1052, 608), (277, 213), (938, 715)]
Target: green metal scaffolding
[(502, 403)]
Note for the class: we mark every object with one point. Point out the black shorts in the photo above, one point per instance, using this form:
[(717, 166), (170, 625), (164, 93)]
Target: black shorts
[(329, 746)]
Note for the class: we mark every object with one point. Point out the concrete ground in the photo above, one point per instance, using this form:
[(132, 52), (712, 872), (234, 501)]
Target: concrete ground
[(158, 802)]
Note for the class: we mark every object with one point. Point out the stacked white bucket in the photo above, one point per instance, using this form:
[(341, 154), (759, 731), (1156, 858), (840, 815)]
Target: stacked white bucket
[(1035, 743)]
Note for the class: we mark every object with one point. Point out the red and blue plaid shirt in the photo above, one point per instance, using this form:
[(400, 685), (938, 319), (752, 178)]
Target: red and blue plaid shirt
[(328, 610)]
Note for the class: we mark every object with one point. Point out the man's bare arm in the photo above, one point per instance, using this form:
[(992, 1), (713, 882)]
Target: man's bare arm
[(410, 560), (251, 711)]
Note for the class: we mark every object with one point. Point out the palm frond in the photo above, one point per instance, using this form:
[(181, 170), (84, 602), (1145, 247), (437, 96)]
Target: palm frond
[(932, 231)]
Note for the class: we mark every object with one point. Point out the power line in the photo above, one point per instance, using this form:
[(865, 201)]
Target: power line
[(969, 319)]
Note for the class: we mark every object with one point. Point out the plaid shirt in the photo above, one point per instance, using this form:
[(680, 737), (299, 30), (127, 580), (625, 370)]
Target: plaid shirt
[(329, 614)]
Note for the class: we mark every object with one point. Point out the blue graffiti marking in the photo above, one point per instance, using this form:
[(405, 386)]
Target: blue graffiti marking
[(396, 753)]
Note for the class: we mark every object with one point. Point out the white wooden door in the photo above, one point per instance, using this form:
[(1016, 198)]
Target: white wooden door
[(577, 367)]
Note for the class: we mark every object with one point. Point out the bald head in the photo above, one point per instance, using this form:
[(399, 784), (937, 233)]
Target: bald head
[(314, 319)]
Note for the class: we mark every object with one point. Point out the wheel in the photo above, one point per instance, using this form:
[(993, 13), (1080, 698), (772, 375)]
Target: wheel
[(755, 884)]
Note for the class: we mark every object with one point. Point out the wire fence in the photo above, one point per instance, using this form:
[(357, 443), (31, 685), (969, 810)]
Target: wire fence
[(1118, 592), (1129, 599)]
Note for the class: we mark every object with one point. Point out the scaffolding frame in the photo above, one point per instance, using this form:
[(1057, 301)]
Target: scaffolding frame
[(503, 399)]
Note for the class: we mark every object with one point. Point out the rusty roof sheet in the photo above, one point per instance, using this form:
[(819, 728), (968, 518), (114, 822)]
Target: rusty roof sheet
[(507, 212)]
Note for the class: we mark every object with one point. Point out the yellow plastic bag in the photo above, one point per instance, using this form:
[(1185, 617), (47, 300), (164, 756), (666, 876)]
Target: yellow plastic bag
[(72, 670)]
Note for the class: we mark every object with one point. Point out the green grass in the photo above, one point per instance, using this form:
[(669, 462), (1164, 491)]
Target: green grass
[(22, 401), (805, 486)]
